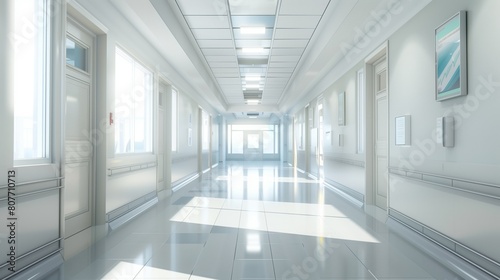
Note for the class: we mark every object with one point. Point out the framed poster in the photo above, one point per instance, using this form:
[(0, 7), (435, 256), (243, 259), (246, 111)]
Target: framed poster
[(451, 57), (341, 109), (403, 130)]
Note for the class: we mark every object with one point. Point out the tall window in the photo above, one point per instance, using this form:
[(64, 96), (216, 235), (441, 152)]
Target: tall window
[(30, 40), (175, 95), (133, 105), (361, 111), (236, 140), (205, 135)]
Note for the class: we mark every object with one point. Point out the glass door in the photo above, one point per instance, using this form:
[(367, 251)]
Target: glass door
[(253, 145)]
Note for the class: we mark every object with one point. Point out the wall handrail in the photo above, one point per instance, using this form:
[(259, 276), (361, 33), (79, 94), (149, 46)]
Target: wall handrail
[(393, 171), (33, 182), (130, 168)]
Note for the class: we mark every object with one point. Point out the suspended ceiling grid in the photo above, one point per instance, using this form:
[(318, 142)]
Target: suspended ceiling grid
[(217, 24)]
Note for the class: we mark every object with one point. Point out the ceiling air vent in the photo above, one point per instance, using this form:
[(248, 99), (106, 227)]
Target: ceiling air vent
[(253, 114)]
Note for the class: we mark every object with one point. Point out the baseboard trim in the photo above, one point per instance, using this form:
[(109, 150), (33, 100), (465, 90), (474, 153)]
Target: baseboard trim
[(342, 191), (185, 182), (123, 219), (470, 262)]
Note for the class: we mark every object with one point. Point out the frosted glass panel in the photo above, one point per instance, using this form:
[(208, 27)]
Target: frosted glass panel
[(30, 127), (237, 142), (253, 141), (133, 105), (268, 142), (76, 55)]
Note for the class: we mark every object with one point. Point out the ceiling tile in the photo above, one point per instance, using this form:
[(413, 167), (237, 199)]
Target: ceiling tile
[(270, 81), (222, 58), (216, 44), (272, 92), (283, 64), (229, 81), (216, 34), (299, 22), (280, 69), (301, 7), (223, 64), (253, 7), (252, 43), (285, 58), (202, 7), (231, 87), (290, 51), (227, 75), (279, 75), (290, 43), (230, 51), (222, 70), (207, 21), (290, 33)]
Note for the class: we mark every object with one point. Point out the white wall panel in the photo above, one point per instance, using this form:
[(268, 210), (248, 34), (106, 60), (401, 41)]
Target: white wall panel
[(346, 174), (467, 218), (127, 187), (37, 223), (183, 168)]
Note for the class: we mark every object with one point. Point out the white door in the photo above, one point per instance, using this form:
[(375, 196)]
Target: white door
[(381, 131), (252, 148), (320, 140), (160, 170), (79, 162)]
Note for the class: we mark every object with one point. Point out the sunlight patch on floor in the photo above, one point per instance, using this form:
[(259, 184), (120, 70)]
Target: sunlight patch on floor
[(308, 219)]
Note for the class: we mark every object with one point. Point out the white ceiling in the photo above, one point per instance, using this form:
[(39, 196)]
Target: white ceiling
[(216, 28), (303, 45)]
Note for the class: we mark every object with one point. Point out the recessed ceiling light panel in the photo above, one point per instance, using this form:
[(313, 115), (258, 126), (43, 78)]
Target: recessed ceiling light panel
[(252, 30)]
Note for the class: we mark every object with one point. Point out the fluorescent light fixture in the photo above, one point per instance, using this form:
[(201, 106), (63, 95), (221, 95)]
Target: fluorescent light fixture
[(252, 30), (252, 86), (252, 50), (254, 117), (253, 101), (252, 78)]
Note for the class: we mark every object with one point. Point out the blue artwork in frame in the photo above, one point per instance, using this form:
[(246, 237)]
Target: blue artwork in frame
[(451, 58)]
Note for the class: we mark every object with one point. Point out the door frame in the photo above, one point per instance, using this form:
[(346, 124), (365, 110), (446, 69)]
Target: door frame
[(370, 160), (77, 74), (79, 14), (245, 144)]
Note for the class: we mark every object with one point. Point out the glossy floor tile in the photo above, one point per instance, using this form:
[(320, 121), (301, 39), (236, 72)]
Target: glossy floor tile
[(253, 220)]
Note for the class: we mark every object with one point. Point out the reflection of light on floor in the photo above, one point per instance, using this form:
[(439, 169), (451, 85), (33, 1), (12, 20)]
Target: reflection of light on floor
[(308, 219), (266, 179), (125, 270), (253, 244)]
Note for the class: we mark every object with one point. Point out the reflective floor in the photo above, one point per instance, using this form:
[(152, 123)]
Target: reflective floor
[(253, 221)]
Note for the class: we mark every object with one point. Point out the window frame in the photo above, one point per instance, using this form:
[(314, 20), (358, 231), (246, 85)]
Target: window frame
[(361, 113), (42, 63), (137, 62), (175, 120)]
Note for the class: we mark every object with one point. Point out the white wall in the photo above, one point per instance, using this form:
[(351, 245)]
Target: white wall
[(125, 188), (38, 187), (474, 162), (185, 159), (450, 194), (344, 166)]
